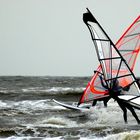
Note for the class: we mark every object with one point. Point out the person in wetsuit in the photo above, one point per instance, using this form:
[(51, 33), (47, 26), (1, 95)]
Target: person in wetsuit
[(106, 98), (114, 92)]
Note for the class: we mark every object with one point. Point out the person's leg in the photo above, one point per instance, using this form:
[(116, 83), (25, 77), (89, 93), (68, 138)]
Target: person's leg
[(94, 102), (133, 113), (105, 103), (106, 100), (124, 111), (124, 114)]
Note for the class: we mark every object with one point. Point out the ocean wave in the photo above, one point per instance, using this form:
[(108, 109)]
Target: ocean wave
[(8, 91), (26, 105), (54, 90), (38, 90), (30, 105), (43, 138), (36, 93), (101, 123), (57, 122), (131, 135)]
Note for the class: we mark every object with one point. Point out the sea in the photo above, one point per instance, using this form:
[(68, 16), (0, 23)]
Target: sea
[(28, 112)]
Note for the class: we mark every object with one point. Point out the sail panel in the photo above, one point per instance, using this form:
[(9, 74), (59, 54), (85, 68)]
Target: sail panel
[(96, 32), (129, 44)]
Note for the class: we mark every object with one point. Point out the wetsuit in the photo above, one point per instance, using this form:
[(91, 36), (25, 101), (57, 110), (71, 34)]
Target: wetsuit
[(104, 99)]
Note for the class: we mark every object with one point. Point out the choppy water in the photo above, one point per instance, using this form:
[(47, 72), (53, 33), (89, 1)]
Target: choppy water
[(28, 112)]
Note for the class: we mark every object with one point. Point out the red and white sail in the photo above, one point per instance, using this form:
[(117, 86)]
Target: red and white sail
[(116, 61)]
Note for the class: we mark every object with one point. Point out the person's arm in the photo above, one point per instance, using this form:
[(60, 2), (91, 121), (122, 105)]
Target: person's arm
[(103, 84), (126, 88)]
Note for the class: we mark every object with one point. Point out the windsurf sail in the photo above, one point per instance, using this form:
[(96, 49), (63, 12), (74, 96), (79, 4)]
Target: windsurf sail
[(116, 62), (129, 44)]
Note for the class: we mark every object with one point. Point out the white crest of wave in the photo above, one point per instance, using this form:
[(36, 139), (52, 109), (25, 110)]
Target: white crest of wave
[(3, 104), (132, 135), (32, 104), (64, 89), (52, 138), (53, 89), (57, 122), (27, 104)]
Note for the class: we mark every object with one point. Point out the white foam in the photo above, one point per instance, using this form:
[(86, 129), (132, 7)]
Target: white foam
[(42, 138), (52, 138), (27, 104), (110, 116), (132, 135), (32, 105), (56, 122), (53, 90), (2, 104)]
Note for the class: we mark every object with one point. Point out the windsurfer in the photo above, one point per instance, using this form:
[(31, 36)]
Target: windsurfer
[(114, 92)]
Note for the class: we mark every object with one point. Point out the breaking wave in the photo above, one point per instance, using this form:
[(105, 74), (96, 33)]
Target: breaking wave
[(54, 90)]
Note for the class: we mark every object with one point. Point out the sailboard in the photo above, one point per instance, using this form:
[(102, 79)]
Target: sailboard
[(73, 107), (116, 61)]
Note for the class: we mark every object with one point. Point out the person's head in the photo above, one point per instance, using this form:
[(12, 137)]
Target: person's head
[(115, 83)]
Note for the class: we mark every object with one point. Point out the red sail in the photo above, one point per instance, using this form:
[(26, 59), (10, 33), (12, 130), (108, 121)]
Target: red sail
[(128, 46)]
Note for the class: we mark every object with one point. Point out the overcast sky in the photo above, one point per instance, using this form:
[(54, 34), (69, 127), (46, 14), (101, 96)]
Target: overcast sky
[(48, 37)]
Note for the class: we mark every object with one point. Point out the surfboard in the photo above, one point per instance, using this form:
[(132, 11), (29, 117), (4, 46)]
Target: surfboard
[(72, 107)]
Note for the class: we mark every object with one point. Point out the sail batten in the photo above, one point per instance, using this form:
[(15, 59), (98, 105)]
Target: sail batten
[(131, 35), (109, 58)]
